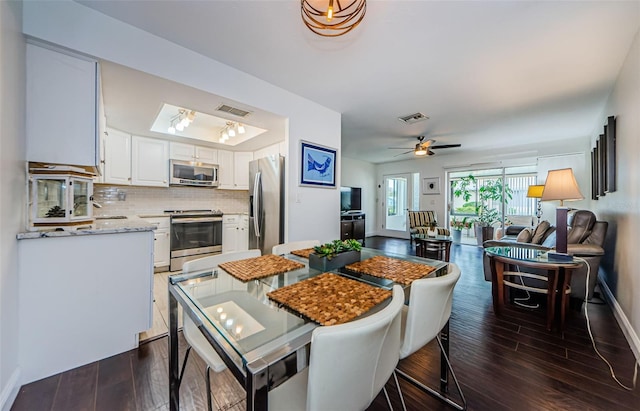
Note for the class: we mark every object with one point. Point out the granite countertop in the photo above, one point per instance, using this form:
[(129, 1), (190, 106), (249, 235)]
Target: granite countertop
[(99, 226)]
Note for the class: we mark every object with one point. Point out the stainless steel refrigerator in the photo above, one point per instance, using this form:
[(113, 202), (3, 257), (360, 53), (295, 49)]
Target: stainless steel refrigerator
[(266, 203)]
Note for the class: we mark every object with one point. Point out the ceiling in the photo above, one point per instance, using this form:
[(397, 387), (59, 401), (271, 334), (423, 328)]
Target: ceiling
[(487, 74)]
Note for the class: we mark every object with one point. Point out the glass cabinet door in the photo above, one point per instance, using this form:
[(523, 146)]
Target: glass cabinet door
[(51, 199), (81, 193)]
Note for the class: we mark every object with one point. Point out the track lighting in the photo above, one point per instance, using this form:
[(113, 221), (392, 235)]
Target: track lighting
[(181, 120)]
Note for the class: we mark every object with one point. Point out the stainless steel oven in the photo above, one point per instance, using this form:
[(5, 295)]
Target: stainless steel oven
[(194, 234)]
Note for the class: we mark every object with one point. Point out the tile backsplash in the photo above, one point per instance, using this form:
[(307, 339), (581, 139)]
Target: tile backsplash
[(131, 200)]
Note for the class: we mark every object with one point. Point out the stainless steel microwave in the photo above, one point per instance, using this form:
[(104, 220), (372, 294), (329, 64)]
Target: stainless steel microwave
[(188, 173)]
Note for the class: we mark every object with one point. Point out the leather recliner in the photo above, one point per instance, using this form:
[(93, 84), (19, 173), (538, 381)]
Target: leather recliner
[(585, 239)]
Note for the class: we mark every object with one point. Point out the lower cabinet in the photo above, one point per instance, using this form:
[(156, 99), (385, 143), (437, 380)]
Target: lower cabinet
[(161, 242), (352, 226), (235, 233), (81, 299)]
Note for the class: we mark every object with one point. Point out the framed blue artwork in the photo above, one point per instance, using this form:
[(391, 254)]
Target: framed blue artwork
[(318, 165)]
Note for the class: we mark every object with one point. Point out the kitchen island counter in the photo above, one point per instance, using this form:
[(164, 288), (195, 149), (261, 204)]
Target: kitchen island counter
[(102, 225)]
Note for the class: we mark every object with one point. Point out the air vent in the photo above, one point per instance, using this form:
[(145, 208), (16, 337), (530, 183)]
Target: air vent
[(413, 118), (232, 110)]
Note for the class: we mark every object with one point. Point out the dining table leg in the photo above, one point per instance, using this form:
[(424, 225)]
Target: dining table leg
[(174, 377)]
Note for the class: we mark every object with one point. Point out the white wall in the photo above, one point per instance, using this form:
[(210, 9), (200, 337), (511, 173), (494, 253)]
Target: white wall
[(84, 30), (621, 208), (12, 183), (356, 173)]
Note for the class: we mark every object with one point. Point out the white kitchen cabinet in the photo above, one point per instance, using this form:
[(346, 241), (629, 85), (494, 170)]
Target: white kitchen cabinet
[(86, 298), (234, 169), (117, 158), (241, 170), (61, 108), (188, 152), (235, 232), (149, 162), (161, 241)]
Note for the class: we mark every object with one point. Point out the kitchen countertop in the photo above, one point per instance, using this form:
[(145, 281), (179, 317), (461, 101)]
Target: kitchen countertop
[(99, 226)]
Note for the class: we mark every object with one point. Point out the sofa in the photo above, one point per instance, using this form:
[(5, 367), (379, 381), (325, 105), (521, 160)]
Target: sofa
[(424, 222), (585, 239)]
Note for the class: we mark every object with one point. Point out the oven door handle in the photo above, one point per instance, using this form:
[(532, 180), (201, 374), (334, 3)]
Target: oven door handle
[(256, 203), (195, 220)]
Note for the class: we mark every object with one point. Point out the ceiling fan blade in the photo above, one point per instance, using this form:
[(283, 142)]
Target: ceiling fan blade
[(427, 143), (406, 152), (446, 146)]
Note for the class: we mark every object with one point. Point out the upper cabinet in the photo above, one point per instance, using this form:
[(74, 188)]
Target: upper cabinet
[(116, 168), (188, 152), (61, 107), (234, 169), (134, 160), (149, 162)]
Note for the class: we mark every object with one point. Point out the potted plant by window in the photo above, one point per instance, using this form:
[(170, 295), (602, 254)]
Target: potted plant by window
[(335, 254), (457, 226)]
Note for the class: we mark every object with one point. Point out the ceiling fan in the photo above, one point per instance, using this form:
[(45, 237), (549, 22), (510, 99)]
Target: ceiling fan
[(424, 147)]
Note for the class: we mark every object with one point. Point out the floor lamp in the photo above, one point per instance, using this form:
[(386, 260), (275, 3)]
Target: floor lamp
[(535, 191), (561, 185)]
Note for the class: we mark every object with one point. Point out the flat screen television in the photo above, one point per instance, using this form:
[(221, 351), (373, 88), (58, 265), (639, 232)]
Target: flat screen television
[(350, 199)]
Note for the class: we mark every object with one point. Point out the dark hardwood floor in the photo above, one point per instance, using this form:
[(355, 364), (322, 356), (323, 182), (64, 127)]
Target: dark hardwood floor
[(506, 363)]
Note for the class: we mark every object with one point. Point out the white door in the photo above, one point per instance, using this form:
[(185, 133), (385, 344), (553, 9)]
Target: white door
[(396, 198)]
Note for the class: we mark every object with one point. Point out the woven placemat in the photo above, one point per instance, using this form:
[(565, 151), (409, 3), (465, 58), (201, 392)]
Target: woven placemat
[(398, 271), (330, 299), (259, 267), (302, 253)]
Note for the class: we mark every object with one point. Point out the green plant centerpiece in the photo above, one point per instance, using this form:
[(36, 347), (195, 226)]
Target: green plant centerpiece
[(335, 254)]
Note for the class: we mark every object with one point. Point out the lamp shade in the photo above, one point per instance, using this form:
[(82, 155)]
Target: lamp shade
[(561, 185), (535, 191)]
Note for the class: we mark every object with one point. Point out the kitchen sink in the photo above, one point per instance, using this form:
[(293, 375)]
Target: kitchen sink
[(112, 217)]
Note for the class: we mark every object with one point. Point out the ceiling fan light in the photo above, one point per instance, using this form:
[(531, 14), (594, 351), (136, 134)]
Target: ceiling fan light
[(180, 126), (171, 129), (420, 152), (232, 132), (241, 129)]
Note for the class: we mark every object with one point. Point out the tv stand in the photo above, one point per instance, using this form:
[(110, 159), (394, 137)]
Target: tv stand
[(352, 226)]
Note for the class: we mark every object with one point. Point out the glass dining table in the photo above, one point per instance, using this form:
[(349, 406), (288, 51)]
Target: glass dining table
[(262, 343)]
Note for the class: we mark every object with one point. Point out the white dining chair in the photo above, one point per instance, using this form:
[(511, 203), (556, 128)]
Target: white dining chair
[(286, 248), (192, 334), (429, 310), (349, 364)]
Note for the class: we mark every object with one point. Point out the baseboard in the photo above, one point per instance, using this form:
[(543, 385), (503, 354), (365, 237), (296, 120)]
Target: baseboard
[(10, 391), (623, 321)]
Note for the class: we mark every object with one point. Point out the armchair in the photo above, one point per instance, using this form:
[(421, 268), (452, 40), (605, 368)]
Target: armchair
[(421, 222), (585, 239)]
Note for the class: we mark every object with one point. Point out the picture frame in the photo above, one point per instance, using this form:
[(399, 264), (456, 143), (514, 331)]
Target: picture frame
[(431, 185), (603, 161), (610, 173), (317, 165)]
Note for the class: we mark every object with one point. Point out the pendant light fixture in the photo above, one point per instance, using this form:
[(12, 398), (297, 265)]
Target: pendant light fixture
[(329, 19)]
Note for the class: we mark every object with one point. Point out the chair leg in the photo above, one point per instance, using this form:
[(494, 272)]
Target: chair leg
[(435, 393), (395, 377), (386, 395), (184, 364), (209, 389)]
